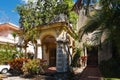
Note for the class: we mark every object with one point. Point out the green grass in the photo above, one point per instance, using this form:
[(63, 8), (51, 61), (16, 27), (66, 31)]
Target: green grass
[(111, 79)]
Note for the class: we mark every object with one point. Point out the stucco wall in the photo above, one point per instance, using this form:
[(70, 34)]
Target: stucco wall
[(104, 52), (8, 38)]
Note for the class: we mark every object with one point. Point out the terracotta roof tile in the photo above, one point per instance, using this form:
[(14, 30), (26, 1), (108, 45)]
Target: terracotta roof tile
[(8, 26)]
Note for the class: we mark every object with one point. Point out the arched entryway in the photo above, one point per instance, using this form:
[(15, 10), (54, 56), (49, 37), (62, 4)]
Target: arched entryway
[(49, 50)]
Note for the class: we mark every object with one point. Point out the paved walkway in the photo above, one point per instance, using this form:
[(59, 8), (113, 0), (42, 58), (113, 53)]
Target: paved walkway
[(89, 73), (50, 70)]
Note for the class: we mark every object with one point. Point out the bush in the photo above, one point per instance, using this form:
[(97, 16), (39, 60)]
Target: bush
[(110, 68), (33, 66), (43, 64), (8, 53), (16, 64), (76, 58)]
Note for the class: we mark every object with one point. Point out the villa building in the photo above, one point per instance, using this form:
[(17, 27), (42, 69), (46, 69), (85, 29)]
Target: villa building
[(95, 51), (6, 34), (56, 44), (56, 41)]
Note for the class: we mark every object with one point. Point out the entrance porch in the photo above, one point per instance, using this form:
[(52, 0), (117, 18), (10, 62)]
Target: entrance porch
[(55, 47)]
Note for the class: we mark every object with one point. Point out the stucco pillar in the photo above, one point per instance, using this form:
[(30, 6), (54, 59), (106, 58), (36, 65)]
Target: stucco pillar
[(85, 54), (62, 62), (39, 50), (39, 55)]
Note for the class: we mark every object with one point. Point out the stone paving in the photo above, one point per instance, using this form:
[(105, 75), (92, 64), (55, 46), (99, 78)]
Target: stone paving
[(15, 78), (78, 70), (89, 73), (9, 76)]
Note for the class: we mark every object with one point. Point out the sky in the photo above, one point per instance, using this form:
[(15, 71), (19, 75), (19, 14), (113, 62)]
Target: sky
[(8, 13)]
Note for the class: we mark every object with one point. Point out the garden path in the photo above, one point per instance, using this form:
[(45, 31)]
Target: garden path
[(90, 73)]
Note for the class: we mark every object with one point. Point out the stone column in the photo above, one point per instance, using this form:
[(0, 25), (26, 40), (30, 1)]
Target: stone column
[(61, 62)]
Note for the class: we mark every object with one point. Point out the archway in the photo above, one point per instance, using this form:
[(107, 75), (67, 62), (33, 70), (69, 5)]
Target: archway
[(49, 50)]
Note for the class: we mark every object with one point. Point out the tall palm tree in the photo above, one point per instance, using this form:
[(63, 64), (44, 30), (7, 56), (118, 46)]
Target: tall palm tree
[(107, 19)]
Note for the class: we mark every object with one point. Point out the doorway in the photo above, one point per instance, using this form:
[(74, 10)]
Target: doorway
[(52, 57), (92, 53), (49, 52)]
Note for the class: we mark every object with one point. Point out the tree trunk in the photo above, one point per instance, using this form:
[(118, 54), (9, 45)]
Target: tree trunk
[(36, 51), (25, 52)]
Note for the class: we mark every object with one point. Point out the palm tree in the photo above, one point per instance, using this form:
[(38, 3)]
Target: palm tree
[(107, 19), (14, 36)]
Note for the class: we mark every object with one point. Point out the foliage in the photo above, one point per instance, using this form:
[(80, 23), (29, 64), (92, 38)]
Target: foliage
[(111, 79), (106, 20), (14, 34), (43, 64), (76, 58), (32, 67), (72, 16), (17, 63), (8, 52), (110, 68), (5, 55), (30, 55), (43, 11)]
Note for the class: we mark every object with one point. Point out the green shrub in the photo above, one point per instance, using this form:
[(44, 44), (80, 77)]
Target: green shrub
[(17, 63), (75, 62), (43, 64), (110, 68), (32, 67), (8, 53)]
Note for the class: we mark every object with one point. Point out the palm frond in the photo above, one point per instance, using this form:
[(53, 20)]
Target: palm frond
[(96, 37), (93, 23)]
